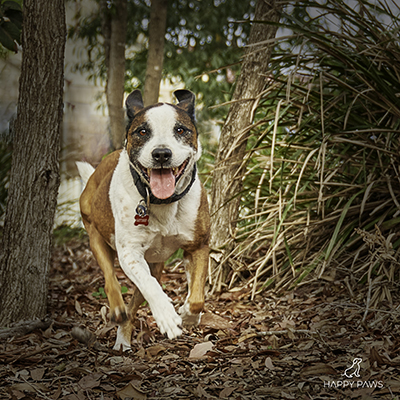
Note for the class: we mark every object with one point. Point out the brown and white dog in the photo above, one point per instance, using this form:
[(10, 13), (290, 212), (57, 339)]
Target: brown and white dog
[(144, 202)]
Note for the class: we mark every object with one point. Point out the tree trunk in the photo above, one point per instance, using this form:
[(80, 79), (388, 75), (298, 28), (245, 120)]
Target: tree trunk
[(116, 72), (105, 30), (34, 180), (227, 183), (155, 57)]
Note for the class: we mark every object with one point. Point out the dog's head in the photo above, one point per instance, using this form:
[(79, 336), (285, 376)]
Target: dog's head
[(162, 142)]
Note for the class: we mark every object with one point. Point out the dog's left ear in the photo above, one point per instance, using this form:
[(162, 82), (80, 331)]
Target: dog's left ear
[(134, 103), (186, 101)]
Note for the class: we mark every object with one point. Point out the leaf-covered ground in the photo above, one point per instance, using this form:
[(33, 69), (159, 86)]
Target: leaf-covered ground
[(295, 345)]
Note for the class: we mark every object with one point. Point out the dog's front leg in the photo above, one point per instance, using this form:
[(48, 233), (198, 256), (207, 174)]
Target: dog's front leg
[(105, 256), (196, 263), (137, 270), (124, 335)]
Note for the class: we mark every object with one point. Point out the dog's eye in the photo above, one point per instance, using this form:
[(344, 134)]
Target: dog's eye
[(180, 130), (143, 132)]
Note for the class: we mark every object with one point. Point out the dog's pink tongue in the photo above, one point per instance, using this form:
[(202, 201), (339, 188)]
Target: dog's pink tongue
[(162, 182)]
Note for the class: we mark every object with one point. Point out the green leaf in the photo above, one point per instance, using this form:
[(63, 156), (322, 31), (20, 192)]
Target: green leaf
[(13, 30), (7, 41), (124, 289), (339, 224), (11, 5), (100, 293)]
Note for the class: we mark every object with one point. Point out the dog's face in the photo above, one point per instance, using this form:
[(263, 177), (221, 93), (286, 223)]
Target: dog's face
[(162, 142)]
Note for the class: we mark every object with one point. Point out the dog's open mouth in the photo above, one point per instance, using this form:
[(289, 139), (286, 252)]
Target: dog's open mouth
[(163, 180)]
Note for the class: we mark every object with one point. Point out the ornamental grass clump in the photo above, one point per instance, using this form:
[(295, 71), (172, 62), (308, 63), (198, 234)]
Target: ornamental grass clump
[(321, 191)]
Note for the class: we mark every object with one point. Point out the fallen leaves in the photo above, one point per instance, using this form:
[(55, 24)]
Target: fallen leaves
[(273, 348)]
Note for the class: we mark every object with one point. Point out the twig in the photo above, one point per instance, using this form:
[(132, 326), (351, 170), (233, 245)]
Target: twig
[(24, 327), (38, 391)]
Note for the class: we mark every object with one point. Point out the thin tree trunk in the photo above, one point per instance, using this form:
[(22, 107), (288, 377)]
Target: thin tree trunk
[(116, 72), (155, 57), (105, 30), (34, 180), (227, 183)]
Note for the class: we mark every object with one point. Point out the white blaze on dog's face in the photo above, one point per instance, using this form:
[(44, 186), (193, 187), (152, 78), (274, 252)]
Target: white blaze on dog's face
[(162, 142)]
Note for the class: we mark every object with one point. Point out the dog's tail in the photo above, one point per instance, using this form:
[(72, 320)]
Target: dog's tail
[(85, 171)]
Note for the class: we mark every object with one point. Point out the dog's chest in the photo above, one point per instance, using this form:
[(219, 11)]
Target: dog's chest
[(169, 231), (162, 248)]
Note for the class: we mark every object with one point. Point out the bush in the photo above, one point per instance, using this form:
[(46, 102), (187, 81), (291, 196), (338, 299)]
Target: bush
[(323, 168)]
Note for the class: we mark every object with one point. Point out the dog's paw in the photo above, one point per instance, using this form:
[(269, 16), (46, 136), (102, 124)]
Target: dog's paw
[(118, 315), (188, 318), (122, 341), (168, 321)]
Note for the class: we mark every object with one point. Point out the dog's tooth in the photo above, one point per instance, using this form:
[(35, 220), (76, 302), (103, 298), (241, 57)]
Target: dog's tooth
[(148, 171)]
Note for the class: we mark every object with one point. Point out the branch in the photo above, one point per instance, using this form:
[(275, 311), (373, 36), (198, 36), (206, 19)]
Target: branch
[(24, 327)]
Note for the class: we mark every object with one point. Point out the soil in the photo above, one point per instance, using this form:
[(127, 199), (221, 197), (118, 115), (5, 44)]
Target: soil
[(283, 345)]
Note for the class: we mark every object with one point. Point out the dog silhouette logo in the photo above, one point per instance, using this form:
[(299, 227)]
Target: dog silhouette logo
[(354, 370)]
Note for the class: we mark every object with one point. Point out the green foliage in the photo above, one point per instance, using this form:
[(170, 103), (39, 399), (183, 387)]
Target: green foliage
[(202, 36), (102, 294), (322, 183), (10, 24), (64, 233)]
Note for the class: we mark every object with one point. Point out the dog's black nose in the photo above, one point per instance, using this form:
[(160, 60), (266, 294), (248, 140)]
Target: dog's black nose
[(161, 155)]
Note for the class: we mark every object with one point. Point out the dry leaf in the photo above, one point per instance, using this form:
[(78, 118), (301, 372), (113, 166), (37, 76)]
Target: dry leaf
[(37, 373), (226, 392), (17, 394), (215, 321), (318, 370), (78, 307), (376, 357), (268, 363), (201, 392), (155, 350), (103, 313), (90, 381), (129, 391), (247, 336), (200, 350), (30, 387)]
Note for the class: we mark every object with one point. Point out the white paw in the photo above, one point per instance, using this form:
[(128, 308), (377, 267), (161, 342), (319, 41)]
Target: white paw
[(122, 341), (188, 318), (168, 321)]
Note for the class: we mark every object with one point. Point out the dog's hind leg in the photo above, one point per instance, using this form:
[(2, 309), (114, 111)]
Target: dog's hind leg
[(125, 330), (105, 256), (196, 272)]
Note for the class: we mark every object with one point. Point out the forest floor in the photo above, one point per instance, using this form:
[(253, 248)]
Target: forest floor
[(293, 345)]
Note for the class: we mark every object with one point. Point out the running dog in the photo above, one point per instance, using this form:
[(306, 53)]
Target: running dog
[(143, 203)]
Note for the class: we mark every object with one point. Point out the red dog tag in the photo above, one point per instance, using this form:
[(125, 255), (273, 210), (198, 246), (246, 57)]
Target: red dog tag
[(141, 220)]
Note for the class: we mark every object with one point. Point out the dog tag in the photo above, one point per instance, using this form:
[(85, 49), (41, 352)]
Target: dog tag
[(141, 220)]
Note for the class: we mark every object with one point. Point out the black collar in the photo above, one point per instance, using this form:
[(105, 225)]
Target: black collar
[(144, 189)]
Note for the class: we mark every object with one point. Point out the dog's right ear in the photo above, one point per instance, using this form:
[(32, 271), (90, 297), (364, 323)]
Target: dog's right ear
[(134, 103)]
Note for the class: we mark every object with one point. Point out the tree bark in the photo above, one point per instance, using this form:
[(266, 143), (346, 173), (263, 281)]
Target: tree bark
[(116, 72), (155, 57), (34, 180), (227, 182)]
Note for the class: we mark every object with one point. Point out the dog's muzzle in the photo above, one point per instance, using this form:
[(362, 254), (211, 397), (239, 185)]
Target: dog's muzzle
[(161, 180)]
